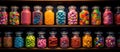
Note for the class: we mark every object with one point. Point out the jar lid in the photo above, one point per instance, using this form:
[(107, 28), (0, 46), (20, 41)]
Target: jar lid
[(60, 7), (53, 32), (96, 7), (64, 32), (25, 7), (8, 33), (98, 32), (3, 7), (107, 7), (87, 32), (75, 32), (37, 7), (72, 7), (30, 32), (49, 7), (19, 33), (118, 7), (14, 7), (41, 32), (110, 33), (84, 7)]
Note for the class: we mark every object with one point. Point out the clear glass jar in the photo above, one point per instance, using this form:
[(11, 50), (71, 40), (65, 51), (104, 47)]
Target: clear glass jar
[(41, 40), (37, 15), (30, 40), (49, 15), (84, 16), (64, 40), (96, 16), (61, 15), (72, 16), (117, 16), (3, 16), (75, 40), (26, 15), (14, 16)]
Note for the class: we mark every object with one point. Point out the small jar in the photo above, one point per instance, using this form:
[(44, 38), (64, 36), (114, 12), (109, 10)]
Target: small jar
[(37, 15), (72, 16), (14, 16), (117, 16)]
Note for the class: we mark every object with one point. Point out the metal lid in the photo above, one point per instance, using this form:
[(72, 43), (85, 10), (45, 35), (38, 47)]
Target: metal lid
[(75, 32), (41, 32), (25, 7), (64, 32), (83, 7), (60, 7), (37, 7), (49, 7), (53, 32), (72, 7), (14, 7), (95, 7)]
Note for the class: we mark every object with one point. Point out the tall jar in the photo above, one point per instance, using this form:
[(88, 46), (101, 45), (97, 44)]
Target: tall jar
[(1, 40), (117, 16), (41, 40), (72, 16), (30, 40), (75, 40), (52, 41), (61, 15), (84, 16), (3, 16), (96, 16), (19, 41), (64, 40), (107, 16), (87, 40), (7, 40), (37, 15), (26, 15), (49, 15), (99, 40), (14, 16), (110, 40)]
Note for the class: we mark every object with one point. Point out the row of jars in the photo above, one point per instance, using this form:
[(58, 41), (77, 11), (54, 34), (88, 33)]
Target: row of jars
[(49, 16), (75, 41)]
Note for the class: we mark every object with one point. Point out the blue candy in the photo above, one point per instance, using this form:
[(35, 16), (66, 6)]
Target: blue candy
[(18, 42)]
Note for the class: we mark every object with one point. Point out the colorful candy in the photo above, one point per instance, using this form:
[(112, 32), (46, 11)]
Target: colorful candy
[(96, 16), (99, 40), (107, 16), (37, 15), (52, 41), (117, 16), (30, 40), (84, 16), (64, 40), (60, 15), (75, 40), (14, 16), (49, 16), (41, 40), (26, 16), (3, 16), (72, 16), (18, 42), (87, 40), (110, 40)]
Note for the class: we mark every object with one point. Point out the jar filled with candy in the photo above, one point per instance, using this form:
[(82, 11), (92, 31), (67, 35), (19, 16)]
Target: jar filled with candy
[(99, 40), (96, 16), (30, 40), (52, 41), (64, 40), (37, 15), (60, 15), (41, 40), (84, 16), (3, 16), (107, 16), (0, 40), (14, 16), (49, 15), (72, 16), (117, 16), (110, 40), (7, 40), (26, 15), (19, 41), (75, 40), (87, 40)]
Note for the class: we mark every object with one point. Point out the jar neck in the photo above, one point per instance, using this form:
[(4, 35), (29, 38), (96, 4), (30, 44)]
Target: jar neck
[(118, 10), (3, 10), (7, 35), (26, 9), (14, 10), (107, 9), (64, 35), (41, 36)]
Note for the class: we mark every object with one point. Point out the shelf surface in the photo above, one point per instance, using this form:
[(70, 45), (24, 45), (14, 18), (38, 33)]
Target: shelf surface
[(58, 0)]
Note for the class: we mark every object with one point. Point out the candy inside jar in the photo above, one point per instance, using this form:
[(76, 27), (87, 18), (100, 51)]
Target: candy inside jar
[(117, 16)]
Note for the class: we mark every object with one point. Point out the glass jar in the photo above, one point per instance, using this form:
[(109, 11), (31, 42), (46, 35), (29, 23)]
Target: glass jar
[(0, 40), (84, 16), (117, 16), (41, 40), (87, 40), (14, 16), (75, 40), (52, 41), (49, 15), (3, 16), (30, 40), (99, 40), (107, 16), (26, 15), (72, 16), (61, 15), (96, 16), (64, 40), (37, 15), (110, 40), (7, 40), (19, 41)]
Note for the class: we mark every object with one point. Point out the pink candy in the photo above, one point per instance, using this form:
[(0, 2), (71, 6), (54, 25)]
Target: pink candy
[(41, 43)]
